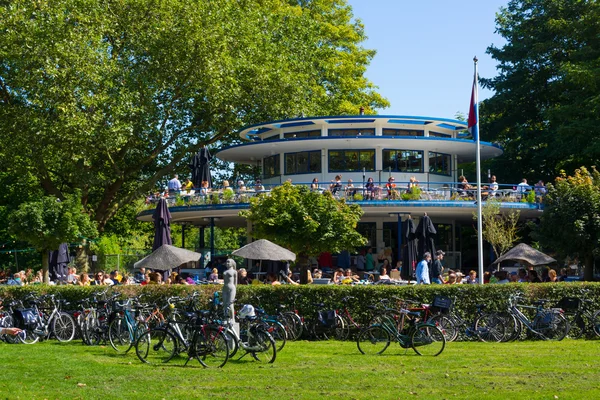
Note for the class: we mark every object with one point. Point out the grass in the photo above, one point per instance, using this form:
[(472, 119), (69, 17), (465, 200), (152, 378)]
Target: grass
[(310, 370)]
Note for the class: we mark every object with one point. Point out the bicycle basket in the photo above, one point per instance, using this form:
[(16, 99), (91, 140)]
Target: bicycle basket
[(441, 304), (25, 318), (327, 318), (569, 303)]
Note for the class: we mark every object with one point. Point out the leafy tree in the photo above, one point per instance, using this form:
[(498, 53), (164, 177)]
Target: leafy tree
[(308, 223), (111, 97), (48, 222), (499, 230), (570, 223), (546, 106)]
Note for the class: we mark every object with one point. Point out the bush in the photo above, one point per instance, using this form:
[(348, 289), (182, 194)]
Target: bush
[(467, 296)]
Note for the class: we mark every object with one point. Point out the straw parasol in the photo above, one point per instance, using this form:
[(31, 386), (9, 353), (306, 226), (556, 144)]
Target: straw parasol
[(167, 257), (263, 249), (527, 254)]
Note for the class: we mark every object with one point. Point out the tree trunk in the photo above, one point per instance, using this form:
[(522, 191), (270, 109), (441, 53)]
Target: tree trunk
[(45, 267), (588, 270), (304, 267), (82, 257)]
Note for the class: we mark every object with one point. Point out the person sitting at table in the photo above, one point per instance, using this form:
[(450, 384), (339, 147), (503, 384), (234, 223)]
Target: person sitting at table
[(391, 187), (348, 275), (412, 182), (350, 190), (204, 189), (492, 188), (241, 186), (188, 185), (336, 184), (540, 188), (314, 185), (258, 186), (371, 189), (384, 274), (226, 187), (464, 186), (338, 275)]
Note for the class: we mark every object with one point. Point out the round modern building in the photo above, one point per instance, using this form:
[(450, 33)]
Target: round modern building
[(392, 151)]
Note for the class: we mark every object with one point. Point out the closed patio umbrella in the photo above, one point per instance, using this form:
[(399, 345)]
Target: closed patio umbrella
[(200, 168), (162, 225), (410, 254), (426, 233), (57, 263)]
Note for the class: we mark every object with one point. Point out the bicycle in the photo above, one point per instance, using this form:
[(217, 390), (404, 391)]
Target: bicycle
[(547, 324), (40, 325), (580, 317), (485, 326), (325, 323), (423, 337), (125, 329)]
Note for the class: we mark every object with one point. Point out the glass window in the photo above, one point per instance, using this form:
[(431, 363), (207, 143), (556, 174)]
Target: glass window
[(403, 160), (271, 166), (440, 164), (439, 134), (302, 134), (351, 132), (303, 163), (401, 132), (351, 160), (274, 137)]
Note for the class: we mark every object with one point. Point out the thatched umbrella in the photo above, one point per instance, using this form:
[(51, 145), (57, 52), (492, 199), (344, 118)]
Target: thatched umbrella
[(527, 254), (167, 257), (263, 249)]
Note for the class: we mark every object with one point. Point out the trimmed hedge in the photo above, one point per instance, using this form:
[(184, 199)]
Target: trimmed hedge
[(468, 296)]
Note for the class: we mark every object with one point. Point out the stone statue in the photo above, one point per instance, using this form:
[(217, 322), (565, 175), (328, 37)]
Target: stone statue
[(229, 287)]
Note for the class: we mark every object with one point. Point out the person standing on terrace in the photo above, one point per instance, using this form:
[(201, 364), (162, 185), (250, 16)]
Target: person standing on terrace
[(174, 184), (422, 271)]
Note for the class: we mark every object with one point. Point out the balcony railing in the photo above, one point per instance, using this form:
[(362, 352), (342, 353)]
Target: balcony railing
[(379, 192)]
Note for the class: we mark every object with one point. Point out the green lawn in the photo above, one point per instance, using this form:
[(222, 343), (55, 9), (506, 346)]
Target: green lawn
[(311, 370)]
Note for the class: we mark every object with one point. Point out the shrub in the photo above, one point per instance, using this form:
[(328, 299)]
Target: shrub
[(467, 296)]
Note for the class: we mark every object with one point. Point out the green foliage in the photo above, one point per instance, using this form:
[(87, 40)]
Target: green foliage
[(467, 296), (545, 107), (499, 229), (48, 222), (570, 223), (415, 194), (529, 197), (358, 197), (110, 97), (305, 222)]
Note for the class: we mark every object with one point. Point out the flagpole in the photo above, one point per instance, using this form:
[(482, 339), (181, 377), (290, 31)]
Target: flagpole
[(478, 168)]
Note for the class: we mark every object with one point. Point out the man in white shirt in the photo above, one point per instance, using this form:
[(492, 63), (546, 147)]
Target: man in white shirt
[(422, 271), (493, 187), (174, 184)]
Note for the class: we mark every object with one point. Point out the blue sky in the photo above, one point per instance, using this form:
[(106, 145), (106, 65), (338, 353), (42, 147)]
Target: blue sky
[(425, 49)]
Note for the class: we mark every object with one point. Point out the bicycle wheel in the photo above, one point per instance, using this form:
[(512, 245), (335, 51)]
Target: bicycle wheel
[(344, 333), (373, 340), (120, 335), (512, 327), (339, 328), (596, 323), (490, 328), (63, 327), (577, 325), (211, 347), (156, 346), (446, 325), (91, 330), (427, 340), (557, 329), (293, 324), (278, 333), (263, 346)]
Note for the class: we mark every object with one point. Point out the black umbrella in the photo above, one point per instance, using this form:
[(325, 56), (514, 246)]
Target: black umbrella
[(162, 225), (199, 166), (57, 263), (426, 234), (410, 256)]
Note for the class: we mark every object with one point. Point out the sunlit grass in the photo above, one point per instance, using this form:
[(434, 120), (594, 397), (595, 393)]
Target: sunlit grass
[(311, 370)]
